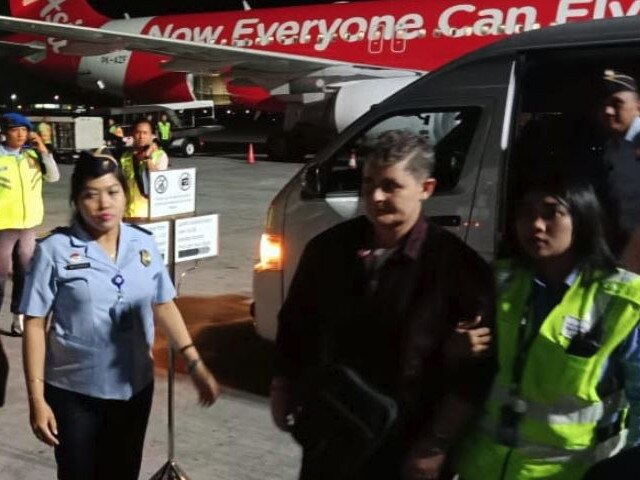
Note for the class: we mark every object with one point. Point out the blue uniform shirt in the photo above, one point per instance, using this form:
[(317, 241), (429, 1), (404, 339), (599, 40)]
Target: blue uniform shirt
[(100, 339)]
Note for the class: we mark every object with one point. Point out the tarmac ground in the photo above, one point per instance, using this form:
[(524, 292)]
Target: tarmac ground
[(235, 439)]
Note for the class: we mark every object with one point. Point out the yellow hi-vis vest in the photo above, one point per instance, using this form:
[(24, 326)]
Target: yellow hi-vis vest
[(557, 432), (138, 205), (21, 203), (164, 129)]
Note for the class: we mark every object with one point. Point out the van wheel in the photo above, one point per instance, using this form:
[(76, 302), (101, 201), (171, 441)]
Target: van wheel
[(188, 148)]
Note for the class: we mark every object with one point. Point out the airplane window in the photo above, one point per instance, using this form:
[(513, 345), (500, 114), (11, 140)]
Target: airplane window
[(449, 132)]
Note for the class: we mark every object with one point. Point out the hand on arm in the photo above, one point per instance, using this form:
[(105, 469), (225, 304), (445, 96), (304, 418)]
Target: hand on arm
[(468, 340), (170, 319), (42, 419)]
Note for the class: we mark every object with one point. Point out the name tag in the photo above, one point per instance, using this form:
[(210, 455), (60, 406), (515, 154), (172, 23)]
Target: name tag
[(77, 266), (573, 326)]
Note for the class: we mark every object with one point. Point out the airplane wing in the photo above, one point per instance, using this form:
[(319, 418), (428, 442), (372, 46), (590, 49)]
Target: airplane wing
[(269, 70), (16, 49)]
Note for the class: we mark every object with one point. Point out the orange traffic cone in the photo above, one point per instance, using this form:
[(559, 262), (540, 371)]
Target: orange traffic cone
[(251, 157)]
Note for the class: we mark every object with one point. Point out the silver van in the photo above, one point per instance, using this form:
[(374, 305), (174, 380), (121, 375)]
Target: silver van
[(495, 115)]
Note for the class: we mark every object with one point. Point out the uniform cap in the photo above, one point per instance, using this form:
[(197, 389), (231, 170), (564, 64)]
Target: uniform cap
[(619, 82), (12, 120)]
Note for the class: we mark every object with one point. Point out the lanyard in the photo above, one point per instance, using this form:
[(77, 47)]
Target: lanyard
[(118, 281), (526, 336)]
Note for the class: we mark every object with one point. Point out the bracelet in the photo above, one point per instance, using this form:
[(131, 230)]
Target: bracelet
[(186, 347), (35, 380), (191, 366)]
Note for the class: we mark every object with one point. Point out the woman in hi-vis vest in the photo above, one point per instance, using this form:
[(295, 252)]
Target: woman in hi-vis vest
[(567, 392)]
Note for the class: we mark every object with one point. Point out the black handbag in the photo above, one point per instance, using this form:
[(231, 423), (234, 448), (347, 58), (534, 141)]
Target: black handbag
[(341, 422)]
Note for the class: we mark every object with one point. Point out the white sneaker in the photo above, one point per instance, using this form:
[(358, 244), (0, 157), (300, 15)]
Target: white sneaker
[(17, 325)]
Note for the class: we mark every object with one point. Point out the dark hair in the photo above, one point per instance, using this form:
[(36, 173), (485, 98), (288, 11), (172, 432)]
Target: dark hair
[(394, 146), (92, 165), (140, 121), (589, 240)]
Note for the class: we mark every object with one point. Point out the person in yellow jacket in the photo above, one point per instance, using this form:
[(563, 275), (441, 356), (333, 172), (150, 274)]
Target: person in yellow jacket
[(567, 392), (164, 131), (22, 172), (145, 156)]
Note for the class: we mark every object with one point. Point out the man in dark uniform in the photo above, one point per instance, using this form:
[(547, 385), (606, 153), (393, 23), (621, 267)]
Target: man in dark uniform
[(382, 294), (621, 114), (622, 160)]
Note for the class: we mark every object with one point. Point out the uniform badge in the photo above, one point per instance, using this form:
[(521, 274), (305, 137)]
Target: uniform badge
[(145, 257), (77, 262), (31, 161)]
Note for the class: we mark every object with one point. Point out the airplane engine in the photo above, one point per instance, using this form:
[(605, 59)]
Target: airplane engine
[(167, 87), (356, 98), (310, 126), (134, 75)]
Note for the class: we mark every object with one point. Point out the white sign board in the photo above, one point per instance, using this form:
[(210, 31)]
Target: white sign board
[(172, 192), (160, 232), (196, 237)]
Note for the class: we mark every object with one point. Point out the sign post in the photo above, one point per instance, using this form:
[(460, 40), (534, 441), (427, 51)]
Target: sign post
[(172, 193)]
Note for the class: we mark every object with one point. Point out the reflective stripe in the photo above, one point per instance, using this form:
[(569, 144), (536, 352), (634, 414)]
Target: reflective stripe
[(550, 454), (569, 410), (590, 455)]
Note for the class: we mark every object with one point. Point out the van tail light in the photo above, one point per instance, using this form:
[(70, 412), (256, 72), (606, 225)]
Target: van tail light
[(270, 253)]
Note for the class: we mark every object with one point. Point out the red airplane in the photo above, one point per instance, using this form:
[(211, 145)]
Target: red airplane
[(323, 65)]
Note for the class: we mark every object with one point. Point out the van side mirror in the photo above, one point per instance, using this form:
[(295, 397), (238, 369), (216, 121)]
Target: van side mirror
[(313, 185)]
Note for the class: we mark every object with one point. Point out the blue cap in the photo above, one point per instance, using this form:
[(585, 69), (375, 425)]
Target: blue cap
[(11, 120)]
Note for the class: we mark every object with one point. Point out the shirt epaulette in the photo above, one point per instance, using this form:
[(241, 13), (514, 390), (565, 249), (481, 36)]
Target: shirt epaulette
[(138, 227), (62, 230)]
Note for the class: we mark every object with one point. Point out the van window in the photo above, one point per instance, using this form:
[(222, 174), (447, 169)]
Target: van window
[(449, 131), (561, 128)]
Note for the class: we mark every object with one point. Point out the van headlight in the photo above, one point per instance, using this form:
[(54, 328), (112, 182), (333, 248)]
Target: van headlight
[(270, 253)]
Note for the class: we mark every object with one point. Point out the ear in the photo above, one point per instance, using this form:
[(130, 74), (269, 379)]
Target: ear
[(428, 187)]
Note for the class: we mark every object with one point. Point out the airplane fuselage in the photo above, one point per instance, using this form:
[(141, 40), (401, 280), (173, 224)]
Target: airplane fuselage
[(416, 35)]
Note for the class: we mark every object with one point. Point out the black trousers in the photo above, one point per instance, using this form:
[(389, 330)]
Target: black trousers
[(99, 439)]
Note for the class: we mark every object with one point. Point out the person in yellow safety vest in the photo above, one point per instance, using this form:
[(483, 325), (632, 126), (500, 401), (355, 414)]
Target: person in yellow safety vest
[(164, 131), (567, 392), (22, 171), (136, 162)]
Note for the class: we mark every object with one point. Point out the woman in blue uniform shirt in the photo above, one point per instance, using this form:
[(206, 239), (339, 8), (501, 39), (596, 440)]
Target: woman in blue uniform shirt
[(90, 373)]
